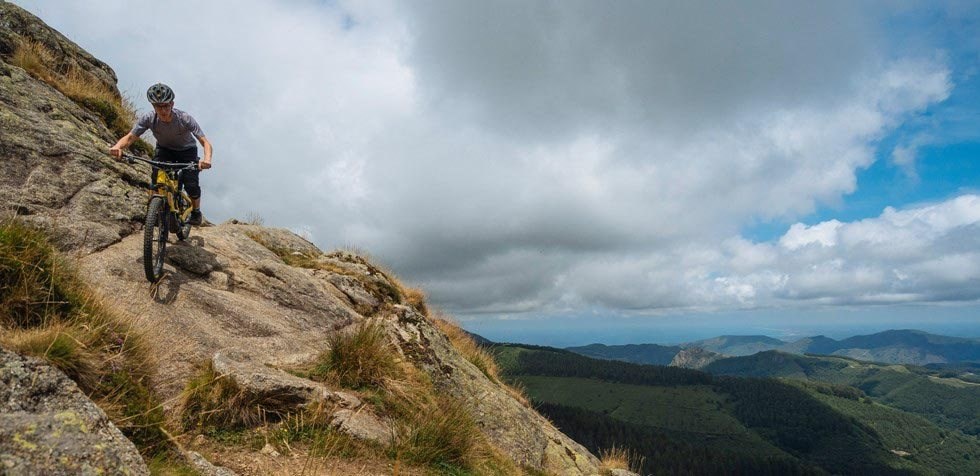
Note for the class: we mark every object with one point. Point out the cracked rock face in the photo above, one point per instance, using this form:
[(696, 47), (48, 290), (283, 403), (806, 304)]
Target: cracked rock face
[(54, 170), (48, 426)]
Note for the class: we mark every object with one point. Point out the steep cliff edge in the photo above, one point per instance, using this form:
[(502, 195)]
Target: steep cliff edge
[(254, 306)]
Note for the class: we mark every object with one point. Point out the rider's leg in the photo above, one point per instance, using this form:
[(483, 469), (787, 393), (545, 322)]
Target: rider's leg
[(190, 181)]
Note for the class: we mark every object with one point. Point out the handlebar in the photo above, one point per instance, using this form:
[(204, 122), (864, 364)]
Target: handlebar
[(162, 165)]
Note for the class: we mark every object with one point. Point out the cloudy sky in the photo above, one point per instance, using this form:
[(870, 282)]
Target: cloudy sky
[(591, 163)]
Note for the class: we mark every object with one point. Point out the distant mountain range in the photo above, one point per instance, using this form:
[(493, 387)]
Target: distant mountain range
[(893, 347)]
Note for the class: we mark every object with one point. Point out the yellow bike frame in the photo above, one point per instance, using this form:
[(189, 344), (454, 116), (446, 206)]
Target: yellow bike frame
[(167, 187)]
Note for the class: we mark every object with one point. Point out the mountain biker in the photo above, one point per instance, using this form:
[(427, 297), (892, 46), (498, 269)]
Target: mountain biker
[(175, 132)]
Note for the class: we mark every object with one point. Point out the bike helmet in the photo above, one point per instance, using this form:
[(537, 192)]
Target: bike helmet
[(160, 93)]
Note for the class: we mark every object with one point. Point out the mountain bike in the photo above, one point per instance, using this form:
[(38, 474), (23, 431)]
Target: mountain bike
[(168, 211)]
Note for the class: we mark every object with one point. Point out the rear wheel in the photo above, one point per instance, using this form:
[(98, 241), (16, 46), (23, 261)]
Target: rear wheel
[(155, 239)]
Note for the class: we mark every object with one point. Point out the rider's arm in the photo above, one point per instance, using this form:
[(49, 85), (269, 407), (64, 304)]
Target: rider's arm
[(206, 161), (126, 141)]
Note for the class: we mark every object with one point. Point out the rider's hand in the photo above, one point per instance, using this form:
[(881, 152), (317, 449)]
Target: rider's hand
[(116, 152), (204, 164)]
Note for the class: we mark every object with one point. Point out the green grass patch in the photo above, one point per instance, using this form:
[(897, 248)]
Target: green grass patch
[(165, 465)]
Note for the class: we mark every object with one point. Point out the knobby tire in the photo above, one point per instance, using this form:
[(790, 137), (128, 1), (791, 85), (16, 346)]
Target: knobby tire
[(183, 228), (155, 239)]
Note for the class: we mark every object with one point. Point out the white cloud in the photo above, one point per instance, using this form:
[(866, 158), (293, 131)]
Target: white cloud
[(801, 235), (927, 253), (554, 155)]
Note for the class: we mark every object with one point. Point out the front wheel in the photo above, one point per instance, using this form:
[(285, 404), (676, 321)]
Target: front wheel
[(155, 239), (183, 228)]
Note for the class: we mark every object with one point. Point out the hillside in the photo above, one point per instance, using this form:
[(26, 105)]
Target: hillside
[(251, 351), (938, 395), (698, 423)]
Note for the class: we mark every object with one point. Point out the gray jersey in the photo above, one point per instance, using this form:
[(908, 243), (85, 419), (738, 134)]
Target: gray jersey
[(178, 134)]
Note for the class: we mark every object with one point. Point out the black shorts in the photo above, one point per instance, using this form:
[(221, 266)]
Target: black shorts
[(189, 178)]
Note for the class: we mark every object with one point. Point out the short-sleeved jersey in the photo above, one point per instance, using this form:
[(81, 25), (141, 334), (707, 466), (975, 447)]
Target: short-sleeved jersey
[(178, 134)]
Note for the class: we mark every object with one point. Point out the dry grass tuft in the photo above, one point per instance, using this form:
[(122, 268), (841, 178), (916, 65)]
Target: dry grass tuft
[(253, 218), (477, 355), (34, 58), (212, 400), (360, 359), (415, 298), (444, 435), (430, 429), (517, 391), (619, 458), (58, 345), (46, 310), (467, 347), (289, 256)]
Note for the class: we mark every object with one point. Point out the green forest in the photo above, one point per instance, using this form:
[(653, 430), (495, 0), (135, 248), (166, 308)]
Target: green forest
[(684, 421), (940, 394)]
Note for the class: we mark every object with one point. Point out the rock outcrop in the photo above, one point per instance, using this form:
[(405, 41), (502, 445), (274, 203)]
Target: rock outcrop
[(695, 358), (55, 169), (48, 426)]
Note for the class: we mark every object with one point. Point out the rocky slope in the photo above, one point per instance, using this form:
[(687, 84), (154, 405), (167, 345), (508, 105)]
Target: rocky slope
[(229, 298)]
